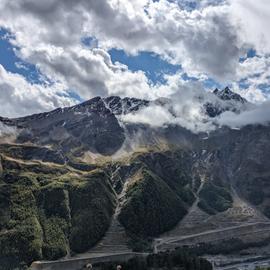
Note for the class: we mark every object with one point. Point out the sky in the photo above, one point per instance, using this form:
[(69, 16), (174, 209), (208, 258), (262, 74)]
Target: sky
[(57, 53)]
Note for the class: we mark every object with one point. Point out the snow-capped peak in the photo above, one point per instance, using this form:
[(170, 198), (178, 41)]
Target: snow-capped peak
[(227, 94)]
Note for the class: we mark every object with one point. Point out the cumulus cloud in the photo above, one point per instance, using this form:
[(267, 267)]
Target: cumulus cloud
[(203, 41), (252, 19), (184, 107), (91, 72), (19, 98), (258, 114), (191, 118), (254, 73), (149, 115), (191, 114), (49, 34), (188, 37)]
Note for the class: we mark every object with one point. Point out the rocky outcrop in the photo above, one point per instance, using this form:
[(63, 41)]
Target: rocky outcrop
[(87, 126)]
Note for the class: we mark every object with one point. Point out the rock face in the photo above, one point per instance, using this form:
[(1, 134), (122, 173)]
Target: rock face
[(88, 126), (69, 173), (227, 94), (126, 105), (244, 159), (227, 101)]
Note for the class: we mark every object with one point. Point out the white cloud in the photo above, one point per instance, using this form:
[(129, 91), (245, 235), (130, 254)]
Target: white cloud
[(251, 94), (187, 110), (155, 116), (254, 72), (91, 72), (252, 19), (49, 35), (203, 41), (185, 107), (253, 66), (259, 114), (19, 98)]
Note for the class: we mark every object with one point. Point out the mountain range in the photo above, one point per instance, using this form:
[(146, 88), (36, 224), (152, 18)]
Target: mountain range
[(70, 176)]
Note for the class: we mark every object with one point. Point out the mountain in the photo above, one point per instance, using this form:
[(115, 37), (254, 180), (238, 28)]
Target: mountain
[(81, 178), (88, 126), (95, 125), (125, 105), (227, 101), (227, 94)]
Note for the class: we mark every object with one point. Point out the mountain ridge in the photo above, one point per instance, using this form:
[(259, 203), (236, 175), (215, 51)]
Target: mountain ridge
[(96, 124)]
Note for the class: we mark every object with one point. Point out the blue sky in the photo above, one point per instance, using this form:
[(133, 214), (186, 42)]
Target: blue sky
[(12, 63), (153, 65)]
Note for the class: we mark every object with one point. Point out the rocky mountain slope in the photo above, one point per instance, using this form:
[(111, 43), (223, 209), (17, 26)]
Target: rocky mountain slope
[(66, 175)]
